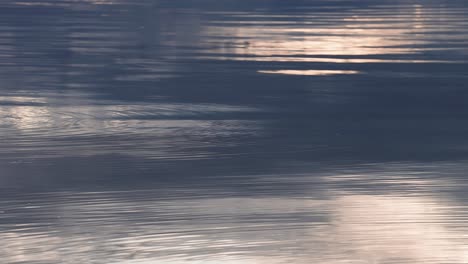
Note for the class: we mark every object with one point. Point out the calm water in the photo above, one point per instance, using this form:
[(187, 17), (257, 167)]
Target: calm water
[(238, 132)]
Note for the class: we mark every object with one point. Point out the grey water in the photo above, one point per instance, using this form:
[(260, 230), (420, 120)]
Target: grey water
[(239, 132)]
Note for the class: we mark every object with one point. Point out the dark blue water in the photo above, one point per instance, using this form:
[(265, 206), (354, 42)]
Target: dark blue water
[(238, 132)]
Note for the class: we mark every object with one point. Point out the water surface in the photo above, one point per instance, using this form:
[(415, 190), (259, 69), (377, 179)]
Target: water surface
[(154, 131)]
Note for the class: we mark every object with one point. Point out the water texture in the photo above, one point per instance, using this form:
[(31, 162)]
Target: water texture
[(238, 132)]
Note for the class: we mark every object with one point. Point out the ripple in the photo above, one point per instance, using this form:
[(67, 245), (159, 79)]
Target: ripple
[(64, 125), (186, 226), (391, 30)]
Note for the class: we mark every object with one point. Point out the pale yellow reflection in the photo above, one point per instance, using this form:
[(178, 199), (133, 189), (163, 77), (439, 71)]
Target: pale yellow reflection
[(324, 60), (66, 3), (310, 72), (270, 41), (417, 229), (46, 124), (332, 37), (22, 99)]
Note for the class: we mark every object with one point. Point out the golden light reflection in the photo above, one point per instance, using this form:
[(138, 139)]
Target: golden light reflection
[(310, 72), (333, 38), (271, 41), (46, 124), (324, 59)]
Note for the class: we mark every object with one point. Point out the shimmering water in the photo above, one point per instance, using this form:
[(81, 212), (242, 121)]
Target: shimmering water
[(244, 132)]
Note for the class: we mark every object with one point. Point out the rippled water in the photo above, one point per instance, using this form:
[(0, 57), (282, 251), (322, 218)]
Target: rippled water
[(263, 131)]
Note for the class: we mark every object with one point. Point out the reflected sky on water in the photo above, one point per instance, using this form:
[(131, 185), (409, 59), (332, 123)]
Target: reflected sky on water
[(154, 131)]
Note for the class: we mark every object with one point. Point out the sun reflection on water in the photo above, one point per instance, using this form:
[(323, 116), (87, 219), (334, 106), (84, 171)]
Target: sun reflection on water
[(336, 38), (49, 122), (310, 72), (342, 227)]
